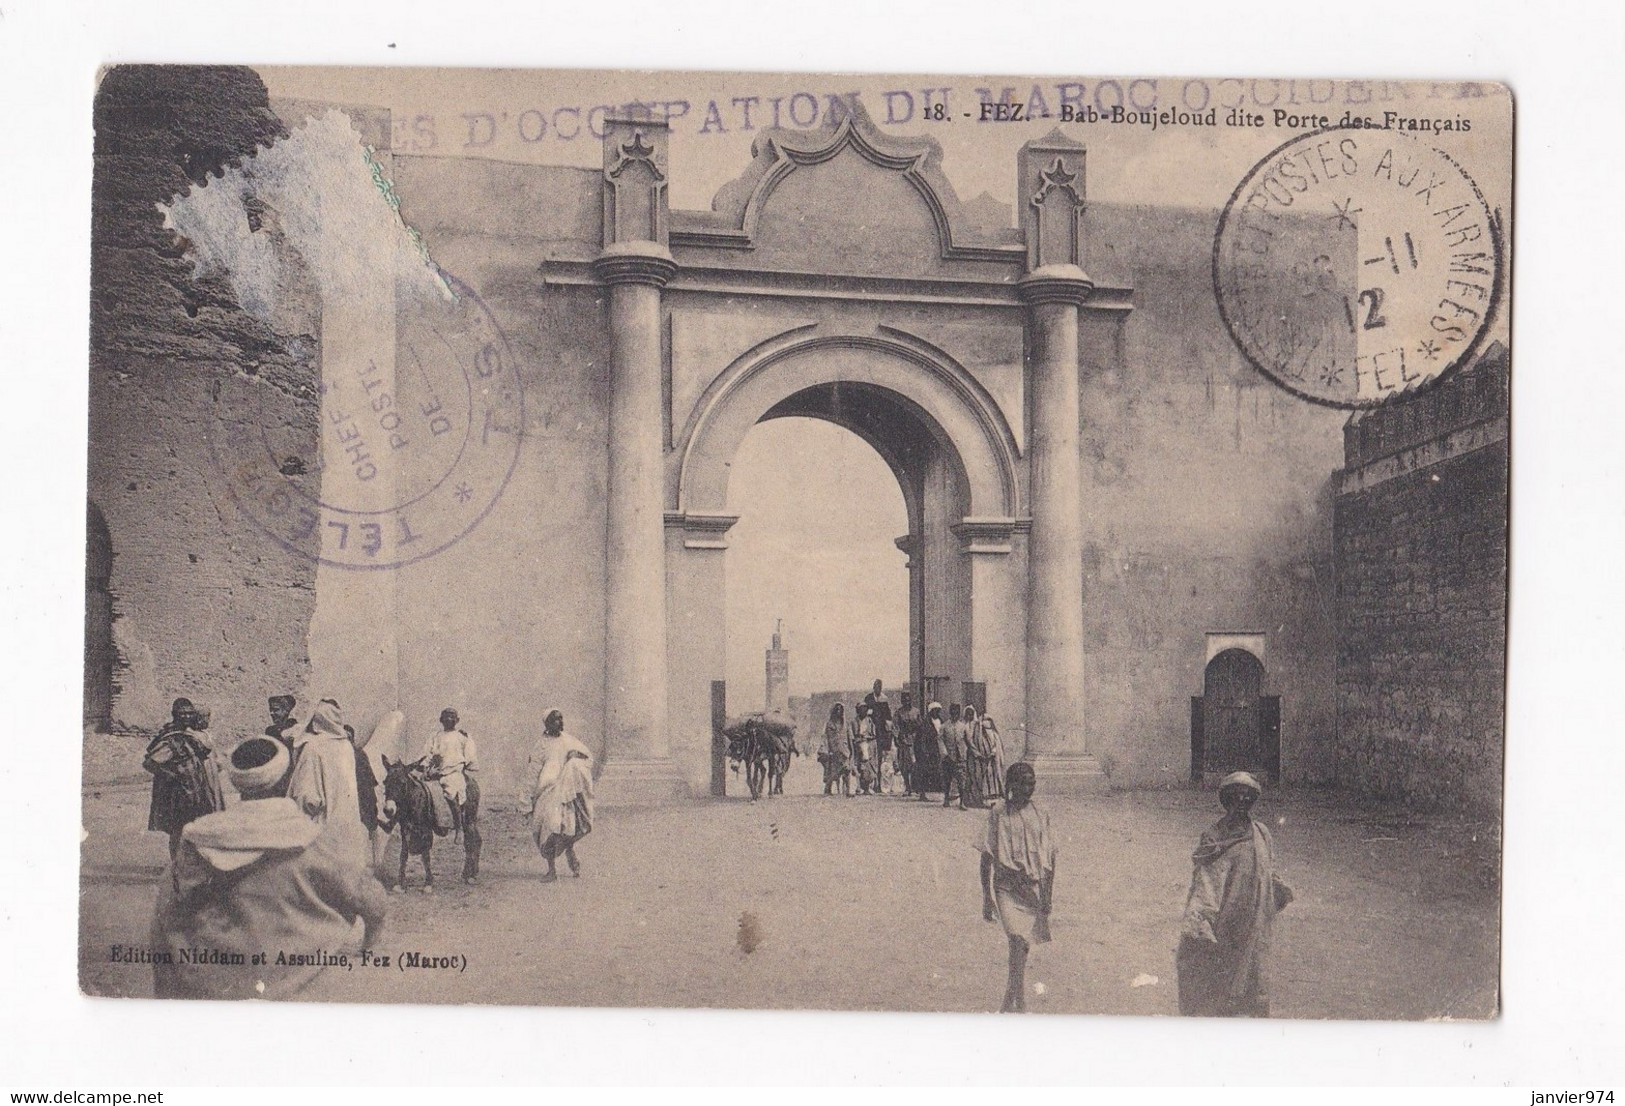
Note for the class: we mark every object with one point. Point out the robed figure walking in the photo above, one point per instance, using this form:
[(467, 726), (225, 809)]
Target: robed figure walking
[(561, 795), (1235, 893)]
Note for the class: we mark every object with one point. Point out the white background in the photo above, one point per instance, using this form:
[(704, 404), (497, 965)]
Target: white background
[(1562, 902)]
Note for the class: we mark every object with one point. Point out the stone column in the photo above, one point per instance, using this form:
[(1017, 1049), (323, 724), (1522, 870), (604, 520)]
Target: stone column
[(635, 264), (909, 546), (995, 551), (1054, 290), (696, 633)]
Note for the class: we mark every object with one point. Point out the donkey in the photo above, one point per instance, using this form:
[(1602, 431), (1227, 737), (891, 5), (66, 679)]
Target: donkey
[(407, 803), (764, 748)]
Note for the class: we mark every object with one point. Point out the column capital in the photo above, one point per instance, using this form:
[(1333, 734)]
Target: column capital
[(1056, 284), (701, 529), (989, 535), (635, 263)]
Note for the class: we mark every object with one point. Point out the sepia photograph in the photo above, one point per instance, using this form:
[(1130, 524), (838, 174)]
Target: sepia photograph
[(899, 543)]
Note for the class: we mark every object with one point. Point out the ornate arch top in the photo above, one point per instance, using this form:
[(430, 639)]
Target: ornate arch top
[(946, 400), (977, 231)]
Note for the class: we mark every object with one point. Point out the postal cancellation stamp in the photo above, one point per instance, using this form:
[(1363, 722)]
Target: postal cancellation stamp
[(413, 456), (419, 404), (1352, 265)]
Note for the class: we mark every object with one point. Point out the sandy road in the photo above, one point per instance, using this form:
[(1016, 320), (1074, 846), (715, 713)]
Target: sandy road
[(872, 904)]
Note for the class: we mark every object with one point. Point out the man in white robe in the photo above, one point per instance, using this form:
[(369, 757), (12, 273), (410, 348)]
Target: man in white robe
[(561, 795), (324, 784)]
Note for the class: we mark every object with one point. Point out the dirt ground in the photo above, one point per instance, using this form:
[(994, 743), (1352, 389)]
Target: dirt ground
[(873, 904)]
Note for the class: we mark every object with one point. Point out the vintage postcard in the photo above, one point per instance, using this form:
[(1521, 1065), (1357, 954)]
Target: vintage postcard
[(844, 542)]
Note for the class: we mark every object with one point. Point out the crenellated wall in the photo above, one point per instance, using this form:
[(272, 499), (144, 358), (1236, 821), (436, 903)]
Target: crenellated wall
[(1421, 533)]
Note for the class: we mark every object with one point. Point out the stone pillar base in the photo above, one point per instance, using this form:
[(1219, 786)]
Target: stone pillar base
[(626, 782), (1069, 775)]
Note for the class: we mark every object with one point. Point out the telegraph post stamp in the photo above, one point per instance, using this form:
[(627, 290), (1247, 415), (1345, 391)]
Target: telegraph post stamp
[(419, 403), (905, 542), (418, 457)]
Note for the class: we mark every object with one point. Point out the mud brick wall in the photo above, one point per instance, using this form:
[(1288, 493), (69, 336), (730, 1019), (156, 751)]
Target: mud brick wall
[(202, 604), (1421, 599)]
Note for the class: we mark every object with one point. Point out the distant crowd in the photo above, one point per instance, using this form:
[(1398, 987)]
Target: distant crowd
[(879, 751)]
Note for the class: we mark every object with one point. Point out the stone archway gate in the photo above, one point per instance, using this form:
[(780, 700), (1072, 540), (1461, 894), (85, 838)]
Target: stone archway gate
[(841, 277)]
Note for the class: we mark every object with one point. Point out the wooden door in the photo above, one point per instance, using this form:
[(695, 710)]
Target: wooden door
[(1232, 716)]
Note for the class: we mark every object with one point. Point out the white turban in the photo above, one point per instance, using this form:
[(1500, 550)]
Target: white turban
[(257, 764)]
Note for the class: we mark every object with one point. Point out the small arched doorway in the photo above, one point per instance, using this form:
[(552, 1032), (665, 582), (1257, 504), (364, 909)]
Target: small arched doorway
[(1234, 725)]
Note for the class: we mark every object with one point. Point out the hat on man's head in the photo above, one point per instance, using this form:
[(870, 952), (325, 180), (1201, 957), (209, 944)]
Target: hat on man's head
[(282, 703), (180, 707), (258, 764), (1242, 779)]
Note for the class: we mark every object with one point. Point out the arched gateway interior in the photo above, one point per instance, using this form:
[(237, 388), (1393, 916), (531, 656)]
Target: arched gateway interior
[(920, 414), (814, 557), (931, 481)]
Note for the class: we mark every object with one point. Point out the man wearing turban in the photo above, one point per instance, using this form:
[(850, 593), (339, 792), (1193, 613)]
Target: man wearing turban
[(1224, 942), (259, 902)]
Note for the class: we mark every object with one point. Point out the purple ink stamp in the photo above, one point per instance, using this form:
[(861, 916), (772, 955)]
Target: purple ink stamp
[(413, 455)]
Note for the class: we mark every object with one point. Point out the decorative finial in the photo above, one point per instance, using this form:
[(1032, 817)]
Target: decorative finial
[(638, 150)]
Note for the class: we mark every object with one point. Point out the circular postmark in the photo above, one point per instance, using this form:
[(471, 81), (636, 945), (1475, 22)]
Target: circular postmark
[(1351, 266), (415, 436)]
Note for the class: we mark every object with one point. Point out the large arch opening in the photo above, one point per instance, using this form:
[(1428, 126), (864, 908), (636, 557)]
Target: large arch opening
[(935, 491), (953, 462), (875, 384), (816, 547)]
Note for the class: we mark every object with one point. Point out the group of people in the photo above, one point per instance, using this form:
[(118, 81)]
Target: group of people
[(1234, 893), (328, 774), (882, 752), (292, 865)]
